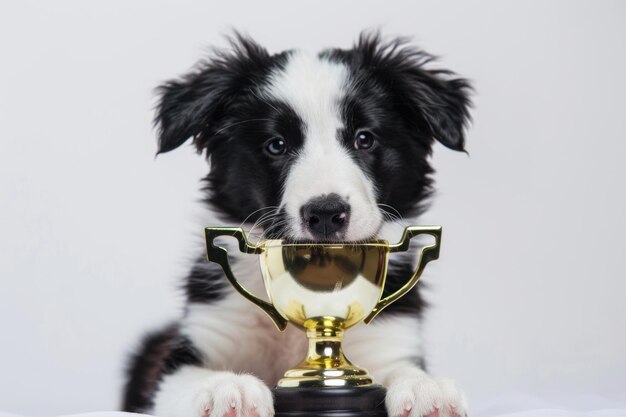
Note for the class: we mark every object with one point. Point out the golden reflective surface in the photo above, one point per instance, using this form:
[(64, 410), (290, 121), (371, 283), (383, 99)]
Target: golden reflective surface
[(325, 364), (323, 289), (323, 280)]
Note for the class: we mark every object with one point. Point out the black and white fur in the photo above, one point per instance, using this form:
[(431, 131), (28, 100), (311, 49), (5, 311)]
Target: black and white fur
[(347, 132)]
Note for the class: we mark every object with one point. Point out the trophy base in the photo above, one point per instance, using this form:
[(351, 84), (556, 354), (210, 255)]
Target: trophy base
[(345, 376), (367, 401)]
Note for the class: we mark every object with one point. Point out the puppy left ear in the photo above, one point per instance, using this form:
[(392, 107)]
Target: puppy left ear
[(443, 103), (432, 99)]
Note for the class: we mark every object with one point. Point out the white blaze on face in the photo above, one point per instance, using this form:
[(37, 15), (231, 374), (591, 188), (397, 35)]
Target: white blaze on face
[(314, 88)]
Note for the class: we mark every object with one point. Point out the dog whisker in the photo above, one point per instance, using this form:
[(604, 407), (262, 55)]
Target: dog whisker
[(263, 100), (240, 122), (256, 211)]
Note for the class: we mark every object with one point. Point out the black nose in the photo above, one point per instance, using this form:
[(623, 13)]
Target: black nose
[(326, 216)]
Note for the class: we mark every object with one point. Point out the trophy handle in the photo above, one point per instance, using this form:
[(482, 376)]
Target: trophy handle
[(219, 255), (426, 254)]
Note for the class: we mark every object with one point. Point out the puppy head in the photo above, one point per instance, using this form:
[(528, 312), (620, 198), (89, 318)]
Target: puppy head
[(332, 144)]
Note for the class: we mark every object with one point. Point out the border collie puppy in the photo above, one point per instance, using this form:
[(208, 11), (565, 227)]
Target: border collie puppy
[(329, 146)]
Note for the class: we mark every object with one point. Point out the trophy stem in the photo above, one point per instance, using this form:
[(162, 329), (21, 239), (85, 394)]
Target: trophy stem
[(325, 364)]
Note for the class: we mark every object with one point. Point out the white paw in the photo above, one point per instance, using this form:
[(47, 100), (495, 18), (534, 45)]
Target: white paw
[(193, 392), (413, 393)]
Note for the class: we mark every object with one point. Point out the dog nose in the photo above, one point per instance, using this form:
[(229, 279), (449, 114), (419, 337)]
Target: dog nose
[(326, 215)]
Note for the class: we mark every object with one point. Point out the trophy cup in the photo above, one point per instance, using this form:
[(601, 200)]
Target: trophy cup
[(324, 289)]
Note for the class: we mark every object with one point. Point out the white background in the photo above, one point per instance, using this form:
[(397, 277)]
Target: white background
[(95, 233)]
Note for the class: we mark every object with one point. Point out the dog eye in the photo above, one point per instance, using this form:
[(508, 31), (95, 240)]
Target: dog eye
[(363, 139), (276, 146)]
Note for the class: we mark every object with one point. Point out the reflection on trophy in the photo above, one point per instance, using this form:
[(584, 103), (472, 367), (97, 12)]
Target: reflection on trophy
[(325, 288)]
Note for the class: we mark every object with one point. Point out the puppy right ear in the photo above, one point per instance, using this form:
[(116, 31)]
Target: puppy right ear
[(186, 105), (193, 105)]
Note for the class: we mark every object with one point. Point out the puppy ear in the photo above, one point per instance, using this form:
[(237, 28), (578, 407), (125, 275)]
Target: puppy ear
[(193, 105), (443, 103), (186, 105), (434, 98)]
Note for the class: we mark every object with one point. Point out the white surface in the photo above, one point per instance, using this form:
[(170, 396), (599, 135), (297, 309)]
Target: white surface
[(505, 405), (95, 233)]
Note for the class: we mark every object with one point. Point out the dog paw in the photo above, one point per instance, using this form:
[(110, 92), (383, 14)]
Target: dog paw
[(238, 396), (413, 393), (202, 393)]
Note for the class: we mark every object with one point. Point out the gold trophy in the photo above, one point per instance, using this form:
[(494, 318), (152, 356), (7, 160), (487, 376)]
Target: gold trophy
[(325, 288)]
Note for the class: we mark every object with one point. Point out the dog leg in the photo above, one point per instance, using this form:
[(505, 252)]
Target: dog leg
[(390, 349), (193, 391), (411, 392)]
